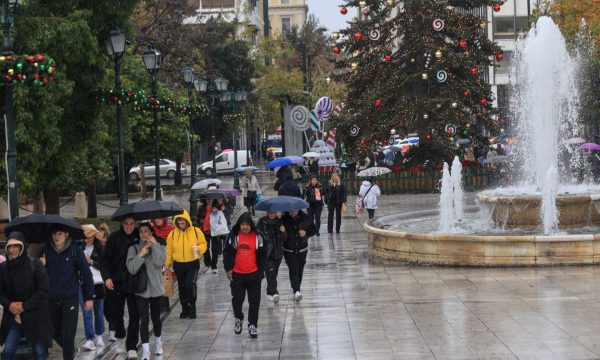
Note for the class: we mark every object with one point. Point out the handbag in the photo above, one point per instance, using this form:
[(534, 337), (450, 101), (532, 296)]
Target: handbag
[(344, 208), (218, 224), (135, 283), (259, 198), (167, 281), (360, 201)]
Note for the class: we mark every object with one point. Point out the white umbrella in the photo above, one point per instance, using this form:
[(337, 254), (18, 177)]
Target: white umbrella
[(203, 184), (576, 140), (311, 154), (374, 171)]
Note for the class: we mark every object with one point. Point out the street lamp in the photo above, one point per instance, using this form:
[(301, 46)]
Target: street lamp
[(239, 97), (152, 60), (9, 8), (189, 78), (115, 47)]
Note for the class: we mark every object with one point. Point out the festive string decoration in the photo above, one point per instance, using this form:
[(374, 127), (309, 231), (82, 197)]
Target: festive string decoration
[(35, 70)]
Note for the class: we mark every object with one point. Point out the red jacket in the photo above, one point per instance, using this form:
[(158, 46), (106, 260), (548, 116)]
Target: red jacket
[(164, 230)]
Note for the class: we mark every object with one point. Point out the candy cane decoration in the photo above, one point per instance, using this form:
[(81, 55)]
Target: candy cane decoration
[(338, 109)]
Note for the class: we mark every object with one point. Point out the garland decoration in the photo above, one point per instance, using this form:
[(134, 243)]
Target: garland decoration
[(143, 101), (35, 70)]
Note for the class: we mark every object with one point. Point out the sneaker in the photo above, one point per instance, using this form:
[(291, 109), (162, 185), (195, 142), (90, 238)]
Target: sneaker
[(276, 298), (215, 271), (99, 341), (89, 345), (297, 296), (146, 354), (270, 297), (159, 348), (111, 336), (132, 354), (238, 326), (205, 269), (120, 346), (253, 331)]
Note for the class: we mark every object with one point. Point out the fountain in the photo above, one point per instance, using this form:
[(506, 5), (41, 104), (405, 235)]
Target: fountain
[(544, 218)]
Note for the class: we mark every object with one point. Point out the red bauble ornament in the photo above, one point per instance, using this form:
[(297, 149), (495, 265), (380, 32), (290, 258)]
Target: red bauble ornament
[(40, 58), (358, 36), (366, 13), (463, 44), (473, 70), (9, 58), (30, 58), (388, 58), (343, 10), (45, 80), (428, 136), (496, 7), (362, 142), (378, 102), (466, 93), (19, 76), (483, 101), (499, 56), (336, 50), (449, 131), (7, 78)]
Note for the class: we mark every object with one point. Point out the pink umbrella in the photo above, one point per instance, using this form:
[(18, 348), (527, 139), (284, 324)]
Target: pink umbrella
[(591, 146), (576, 140)]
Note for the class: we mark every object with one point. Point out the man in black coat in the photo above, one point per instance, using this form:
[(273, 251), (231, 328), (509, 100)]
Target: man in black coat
[(23, 293), (113, 269), (296, 228), (285, 184)]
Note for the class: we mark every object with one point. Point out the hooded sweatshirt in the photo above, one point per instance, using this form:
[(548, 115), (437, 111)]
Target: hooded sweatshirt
[(180, 242), (369, 196)]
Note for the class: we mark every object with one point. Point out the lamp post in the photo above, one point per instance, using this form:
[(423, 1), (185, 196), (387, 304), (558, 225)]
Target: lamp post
[(9, 8), (188, 78), (152, 60), (240, 97), (115, 47)]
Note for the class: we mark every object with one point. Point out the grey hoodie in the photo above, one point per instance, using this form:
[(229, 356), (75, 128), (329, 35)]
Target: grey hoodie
[(154, 263)]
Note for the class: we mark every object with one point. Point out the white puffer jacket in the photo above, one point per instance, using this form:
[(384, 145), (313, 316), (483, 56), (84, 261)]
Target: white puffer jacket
[(370, 200)]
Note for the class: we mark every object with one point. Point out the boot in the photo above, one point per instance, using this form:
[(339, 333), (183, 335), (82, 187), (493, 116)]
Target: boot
[(192, 311)]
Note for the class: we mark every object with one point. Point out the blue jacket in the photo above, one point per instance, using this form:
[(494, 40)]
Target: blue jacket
[(66, 270), (290, 188)]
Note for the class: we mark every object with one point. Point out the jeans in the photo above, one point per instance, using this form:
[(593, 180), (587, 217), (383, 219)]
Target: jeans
[(187, 275), (149, 308), (271, 275), (92, 319), (240, 284), (331, 208), (371, 213), (215, 248), (117, 302), (13, 338), (295, 261), (314, 214), (64, 315)]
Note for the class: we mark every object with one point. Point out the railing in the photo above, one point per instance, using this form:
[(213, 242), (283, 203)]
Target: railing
[(408, 182)]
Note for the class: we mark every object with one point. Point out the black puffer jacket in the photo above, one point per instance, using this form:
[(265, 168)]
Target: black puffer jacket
[(292, 239), (310, 194), (336, 195), (114, 256), (273, 237)]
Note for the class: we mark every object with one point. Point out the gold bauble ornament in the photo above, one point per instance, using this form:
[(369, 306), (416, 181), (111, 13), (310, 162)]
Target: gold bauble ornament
[(362, 3), (11, 72), (424, 76), (390, 2), (439, 106), (482, 25), (354, 66), (335, 35), (425, 116), (2, 58), (439, 54), (454, 104)]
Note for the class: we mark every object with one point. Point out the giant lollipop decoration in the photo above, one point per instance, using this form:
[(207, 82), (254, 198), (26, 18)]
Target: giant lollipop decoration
[(323, 108), (300, 118)]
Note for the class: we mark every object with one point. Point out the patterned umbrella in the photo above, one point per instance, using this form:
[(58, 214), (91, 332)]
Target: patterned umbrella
[(374, 171)]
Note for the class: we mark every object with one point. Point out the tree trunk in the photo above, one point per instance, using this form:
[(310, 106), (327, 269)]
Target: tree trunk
[(52, 201), (38, 203), (178, 178), (92, 206)]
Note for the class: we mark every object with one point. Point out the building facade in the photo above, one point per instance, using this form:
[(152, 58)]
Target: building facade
[(286, 14)]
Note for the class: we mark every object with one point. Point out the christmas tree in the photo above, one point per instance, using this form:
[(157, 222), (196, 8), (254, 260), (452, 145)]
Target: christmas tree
[(415, 66)]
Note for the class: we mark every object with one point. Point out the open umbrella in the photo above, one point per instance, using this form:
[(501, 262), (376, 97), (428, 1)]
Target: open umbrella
[(279, 163), (231, 192), (147, 210), (590, 146), (281, 203), (295, 159), (37, 228), (203, 184), (245, 169), (311, 154), (212, 195), (374, 171)]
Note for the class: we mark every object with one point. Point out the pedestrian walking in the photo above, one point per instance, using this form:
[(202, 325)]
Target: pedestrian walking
[(149, 256), (23, 295), (285, 184), (203, 221), (250, 191), (93, 320), (296, 227), (218, 232), (185, 245), (162, 229), (67, 268), (269, 226), (336, 199), (313, 195), (114, 267), (244, 261), (313, 166), (369, 191)]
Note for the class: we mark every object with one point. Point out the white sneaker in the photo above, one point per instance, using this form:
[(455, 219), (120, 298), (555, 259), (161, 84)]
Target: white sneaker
[(297, 296), (215, 271), (111, 336), (146, 354), (132, 354), (159, 349), (270, 297), (89, 346), (276, 298), (120, 346), (99, 341)]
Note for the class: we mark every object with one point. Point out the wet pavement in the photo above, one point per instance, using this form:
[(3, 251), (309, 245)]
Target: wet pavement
[(356, 308)]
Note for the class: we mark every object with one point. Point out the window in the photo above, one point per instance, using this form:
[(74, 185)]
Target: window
[(217, 4), (505, 63), (503, 97), (163, 162), (285, 2), (222, 158), (286, 25), (504, 26)]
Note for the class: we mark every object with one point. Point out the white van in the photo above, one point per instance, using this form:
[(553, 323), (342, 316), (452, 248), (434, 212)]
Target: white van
[(225, 162)]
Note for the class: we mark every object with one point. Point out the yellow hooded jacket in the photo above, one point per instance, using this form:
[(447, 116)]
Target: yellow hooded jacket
[(180, 242)]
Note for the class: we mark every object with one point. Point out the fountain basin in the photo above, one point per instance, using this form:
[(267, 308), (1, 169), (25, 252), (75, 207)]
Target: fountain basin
[(524, 211), (474, 249)]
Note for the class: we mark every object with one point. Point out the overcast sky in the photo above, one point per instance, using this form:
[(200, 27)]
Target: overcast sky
[(328, 12)]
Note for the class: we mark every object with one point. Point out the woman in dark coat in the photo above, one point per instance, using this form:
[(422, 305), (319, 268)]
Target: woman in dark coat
[(23, 293), (336, 197), (313, 193), (269, 226)]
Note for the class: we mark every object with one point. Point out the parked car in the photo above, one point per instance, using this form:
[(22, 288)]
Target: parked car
[(225, 162), (167, 169)]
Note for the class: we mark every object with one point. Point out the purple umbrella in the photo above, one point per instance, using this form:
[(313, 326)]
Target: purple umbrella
[(231, 192), (295, 159), (591, 146)]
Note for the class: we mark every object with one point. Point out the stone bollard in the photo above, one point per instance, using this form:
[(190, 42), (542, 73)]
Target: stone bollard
[(80, 205)]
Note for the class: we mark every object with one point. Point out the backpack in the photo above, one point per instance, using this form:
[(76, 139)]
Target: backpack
[(138, 282)]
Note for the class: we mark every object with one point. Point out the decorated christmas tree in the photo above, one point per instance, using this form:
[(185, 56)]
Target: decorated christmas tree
[(416, 66)]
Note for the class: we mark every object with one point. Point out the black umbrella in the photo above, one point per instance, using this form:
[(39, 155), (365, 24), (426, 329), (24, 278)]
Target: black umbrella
[(37, 228), (212, 194), (147, 210), (281, 203)]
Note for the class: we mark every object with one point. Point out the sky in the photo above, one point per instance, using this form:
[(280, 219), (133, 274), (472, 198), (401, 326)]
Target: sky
[(328, 12)]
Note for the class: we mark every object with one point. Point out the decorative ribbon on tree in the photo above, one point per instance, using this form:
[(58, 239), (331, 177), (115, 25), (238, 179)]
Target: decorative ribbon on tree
[(36, 70)]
